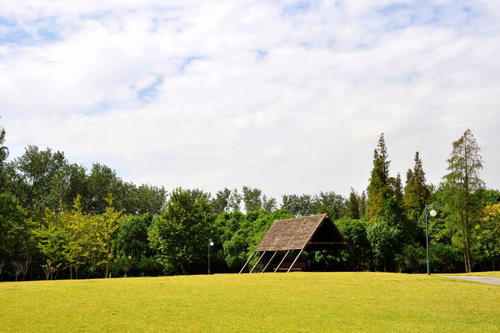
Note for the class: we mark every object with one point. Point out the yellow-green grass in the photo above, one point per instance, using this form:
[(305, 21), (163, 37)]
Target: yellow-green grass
[(308, 302), (488, 274)]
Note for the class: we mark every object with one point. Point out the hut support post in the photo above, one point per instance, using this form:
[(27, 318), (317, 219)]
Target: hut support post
[(245, 265), (260, 258), (293, 263), (279, 265), (265, 267)]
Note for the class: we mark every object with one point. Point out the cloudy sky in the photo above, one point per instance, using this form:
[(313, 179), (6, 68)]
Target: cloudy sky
[(287, 96)]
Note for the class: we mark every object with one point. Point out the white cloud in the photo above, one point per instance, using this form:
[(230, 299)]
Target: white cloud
[(247, 94)]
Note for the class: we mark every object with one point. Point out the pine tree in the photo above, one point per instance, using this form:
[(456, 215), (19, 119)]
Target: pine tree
[(417, 193), (353, 207), (362, 204), (379, 189), (464, 165)]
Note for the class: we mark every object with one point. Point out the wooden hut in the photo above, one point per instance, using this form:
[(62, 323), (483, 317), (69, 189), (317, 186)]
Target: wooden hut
[(306, 233)]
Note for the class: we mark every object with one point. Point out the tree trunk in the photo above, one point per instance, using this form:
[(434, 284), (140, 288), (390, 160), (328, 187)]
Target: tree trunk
[(70, 272)]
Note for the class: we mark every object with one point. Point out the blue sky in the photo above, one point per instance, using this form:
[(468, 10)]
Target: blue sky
[(288, 96)]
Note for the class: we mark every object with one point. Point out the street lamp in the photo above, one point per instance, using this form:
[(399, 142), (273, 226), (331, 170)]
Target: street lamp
[(432, 213), (210, 244)]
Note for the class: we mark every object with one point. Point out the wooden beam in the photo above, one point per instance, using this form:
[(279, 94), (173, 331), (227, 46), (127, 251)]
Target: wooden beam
[(286, 254), (293, 263), (263, 253), (245, 265), (265, 267)]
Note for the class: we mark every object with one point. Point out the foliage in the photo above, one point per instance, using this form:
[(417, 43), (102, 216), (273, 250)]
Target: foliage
[(107, 225), (354, 205), (463, 207), (252, 199), (379, 189), (383, 238), (354, 232), (417, 193), (16, 245), (488, 234), (181, 232)]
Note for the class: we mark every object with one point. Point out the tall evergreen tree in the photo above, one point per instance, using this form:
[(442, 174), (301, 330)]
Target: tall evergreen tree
[(379, 189), (4, 153), (464, 165), (417, 193), (354, 205), (362, 204)]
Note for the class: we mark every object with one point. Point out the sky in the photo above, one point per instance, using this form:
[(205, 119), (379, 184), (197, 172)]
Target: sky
[(286, 96)]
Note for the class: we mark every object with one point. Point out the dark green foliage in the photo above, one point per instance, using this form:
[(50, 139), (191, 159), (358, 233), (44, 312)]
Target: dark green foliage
[(132, 238), (417, 193), (252, 199), (412, 258), (459, 185), (354, 232), (384, 239), (39, 171), (40, 224), (4, 153), (16, 243), (379, 189), (298, 205), (354, 205), (325, 202), (180, 234), (445, 258), (220, 203)]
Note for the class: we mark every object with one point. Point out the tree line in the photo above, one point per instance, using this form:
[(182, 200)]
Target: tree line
[(60, 220)]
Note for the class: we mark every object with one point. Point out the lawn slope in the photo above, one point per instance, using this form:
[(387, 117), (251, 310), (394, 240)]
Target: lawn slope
[(256, 302)]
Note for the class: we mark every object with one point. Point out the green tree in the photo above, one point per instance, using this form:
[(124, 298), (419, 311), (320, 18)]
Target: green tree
[(234, 200), (107, 225), (269, 203), (354, 232), (38, 170), (220, 203), (331, 203), (488, 234), (417, 193), (459, 184), (362, 204), (383, 239), (51, 241), (379, 188), (354, 204), (132, 238), (12, 230), (4, 153), (78, 229), (150, 199), (298, 205), (180, 234), (252, 199)]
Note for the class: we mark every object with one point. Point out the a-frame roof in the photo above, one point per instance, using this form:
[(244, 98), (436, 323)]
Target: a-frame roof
[(301, 232)]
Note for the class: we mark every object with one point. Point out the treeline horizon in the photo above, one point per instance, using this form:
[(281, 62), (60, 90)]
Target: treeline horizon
[(60, 220)]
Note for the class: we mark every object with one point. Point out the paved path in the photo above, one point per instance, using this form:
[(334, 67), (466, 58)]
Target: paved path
[(483, 279)]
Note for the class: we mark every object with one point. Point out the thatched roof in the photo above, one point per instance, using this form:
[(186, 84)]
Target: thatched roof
[(306, 232)]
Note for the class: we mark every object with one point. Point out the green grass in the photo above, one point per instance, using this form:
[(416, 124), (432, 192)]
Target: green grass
[(488, 274), (307, 302)]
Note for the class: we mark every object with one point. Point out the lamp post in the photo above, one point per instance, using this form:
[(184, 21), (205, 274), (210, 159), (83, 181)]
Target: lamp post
[(432, 213), (210, 244)]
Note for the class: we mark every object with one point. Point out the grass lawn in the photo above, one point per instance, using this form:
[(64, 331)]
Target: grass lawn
[(306, 302), (488, 274)]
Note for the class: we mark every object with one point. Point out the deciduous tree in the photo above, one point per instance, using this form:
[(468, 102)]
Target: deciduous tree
[(459, 184)]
